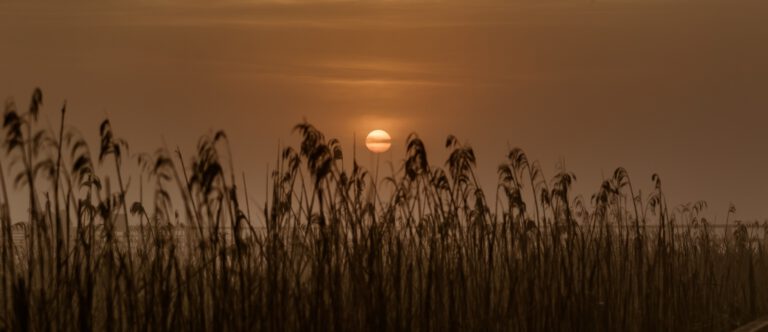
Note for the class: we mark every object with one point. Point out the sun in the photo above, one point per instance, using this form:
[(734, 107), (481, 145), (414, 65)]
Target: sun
[(378, 141)]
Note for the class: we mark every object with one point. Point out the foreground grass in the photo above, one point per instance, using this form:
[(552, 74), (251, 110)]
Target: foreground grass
[(424, 252)]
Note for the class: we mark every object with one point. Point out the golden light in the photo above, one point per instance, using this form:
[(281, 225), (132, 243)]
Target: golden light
[(378, 141)]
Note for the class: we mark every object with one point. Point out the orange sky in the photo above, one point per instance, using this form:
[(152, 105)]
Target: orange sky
[(674, 87)]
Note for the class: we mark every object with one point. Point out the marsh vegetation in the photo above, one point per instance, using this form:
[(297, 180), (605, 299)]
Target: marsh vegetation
[(427, 251)]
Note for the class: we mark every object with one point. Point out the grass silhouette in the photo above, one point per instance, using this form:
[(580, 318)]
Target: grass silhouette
[(432, 254)]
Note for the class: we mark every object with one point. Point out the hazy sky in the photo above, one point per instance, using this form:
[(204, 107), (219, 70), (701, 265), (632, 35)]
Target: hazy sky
[(674, 87)]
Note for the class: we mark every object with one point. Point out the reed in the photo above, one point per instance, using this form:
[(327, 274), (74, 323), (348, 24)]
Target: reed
[(333, 252)]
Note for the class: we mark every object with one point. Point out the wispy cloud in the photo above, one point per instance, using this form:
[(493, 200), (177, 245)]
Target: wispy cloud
[(316, 14), (384, 82)]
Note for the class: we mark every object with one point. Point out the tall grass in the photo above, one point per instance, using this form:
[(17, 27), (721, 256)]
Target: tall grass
[(427, 253)]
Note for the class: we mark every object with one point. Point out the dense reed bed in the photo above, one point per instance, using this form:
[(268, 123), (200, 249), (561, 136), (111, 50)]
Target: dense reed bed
[(334, 249)]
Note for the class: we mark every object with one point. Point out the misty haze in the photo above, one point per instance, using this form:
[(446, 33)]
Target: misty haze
[(444, 165)]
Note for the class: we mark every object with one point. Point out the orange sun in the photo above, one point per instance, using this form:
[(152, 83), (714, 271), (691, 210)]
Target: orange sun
[(378, 141)]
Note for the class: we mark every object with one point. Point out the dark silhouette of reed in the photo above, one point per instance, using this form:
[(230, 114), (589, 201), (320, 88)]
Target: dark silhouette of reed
[(428, 253)]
